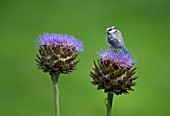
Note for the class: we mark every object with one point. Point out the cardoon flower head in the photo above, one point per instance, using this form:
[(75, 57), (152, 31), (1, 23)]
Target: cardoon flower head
[(57, 53), (114, 72)]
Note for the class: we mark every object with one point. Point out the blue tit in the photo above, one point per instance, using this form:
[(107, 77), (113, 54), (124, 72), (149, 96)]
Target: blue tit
[(115, 39)]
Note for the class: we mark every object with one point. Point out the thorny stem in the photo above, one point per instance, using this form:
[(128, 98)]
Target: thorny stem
[(109, 103), (54, 77)]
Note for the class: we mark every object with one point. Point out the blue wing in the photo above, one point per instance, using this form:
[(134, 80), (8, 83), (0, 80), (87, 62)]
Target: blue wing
[(114, 43)]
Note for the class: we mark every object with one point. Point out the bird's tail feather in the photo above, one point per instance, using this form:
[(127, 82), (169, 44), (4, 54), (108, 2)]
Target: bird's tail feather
[(124, 50)]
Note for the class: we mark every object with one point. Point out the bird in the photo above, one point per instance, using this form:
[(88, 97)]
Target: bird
[(115, 40)]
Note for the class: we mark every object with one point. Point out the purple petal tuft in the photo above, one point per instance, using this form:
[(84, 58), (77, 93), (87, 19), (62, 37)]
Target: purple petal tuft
[(123, 60), (60, 39)]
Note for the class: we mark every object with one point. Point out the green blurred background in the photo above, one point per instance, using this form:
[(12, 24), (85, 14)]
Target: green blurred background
[(27, 91)]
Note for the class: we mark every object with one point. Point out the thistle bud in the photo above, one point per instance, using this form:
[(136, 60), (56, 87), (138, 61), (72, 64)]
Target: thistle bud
[(114, 72), (57, 53)]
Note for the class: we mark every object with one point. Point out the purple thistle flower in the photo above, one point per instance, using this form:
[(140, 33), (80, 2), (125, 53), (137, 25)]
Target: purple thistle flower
[(54, 40), (114, 72), (58, 52), (120, 59)]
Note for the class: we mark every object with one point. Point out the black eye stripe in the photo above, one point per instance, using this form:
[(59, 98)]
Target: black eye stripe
[(109, 29)]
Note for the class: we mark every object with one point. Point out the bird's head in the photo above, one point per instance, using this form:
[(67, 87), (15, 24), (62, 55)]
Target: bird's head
[(111, 30)]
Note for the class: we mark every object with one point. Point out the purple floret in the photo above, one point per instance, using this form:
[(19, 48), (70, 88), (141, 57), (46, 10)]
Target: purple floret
[(60, 39), (121, 59)]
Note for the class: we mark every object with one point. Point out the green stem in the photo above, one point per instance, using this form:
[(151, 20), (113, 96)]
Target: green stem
[(56, 93), (109, 103)]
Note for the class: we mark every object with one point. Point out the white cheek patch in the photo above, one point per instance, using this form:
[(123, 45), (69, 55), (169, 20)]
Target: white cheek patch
[(112, 31)]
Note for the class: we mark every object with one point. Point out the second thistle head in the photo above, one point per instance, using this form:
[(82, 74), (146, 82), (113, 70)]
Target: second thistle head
[(58, 52), (114, 72)]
